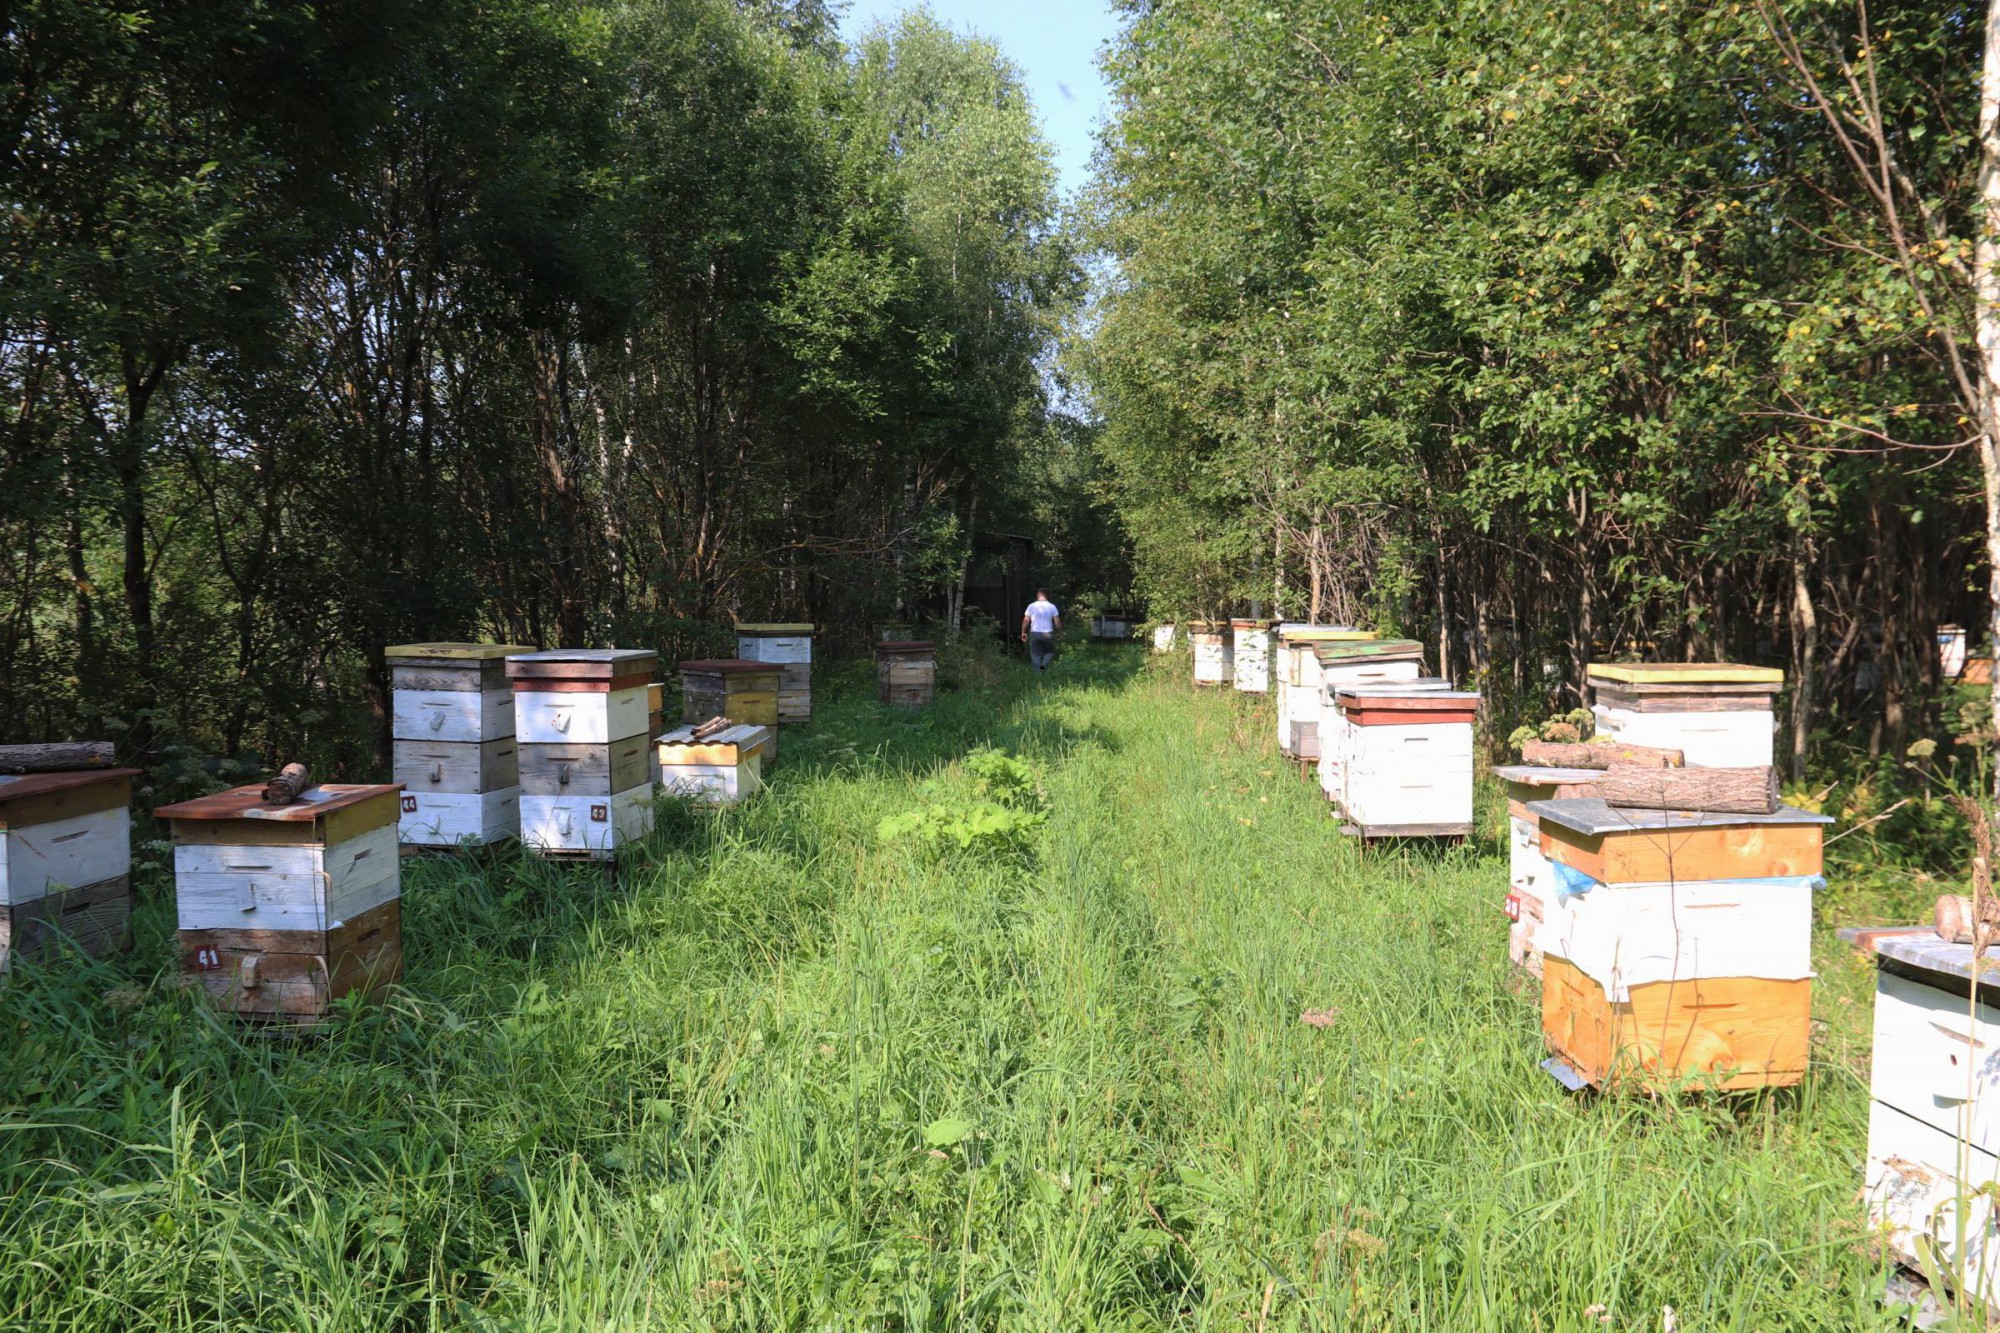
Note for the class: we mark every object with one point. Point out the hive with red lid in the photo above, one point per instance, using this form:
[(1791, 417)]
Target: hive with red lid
[(581, 716), (284, 909), (65, 861), (1406, 761)]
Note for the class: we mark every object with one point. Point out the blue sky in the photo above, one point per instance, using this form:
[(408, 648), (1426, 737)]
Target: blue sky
[(1055, 42)]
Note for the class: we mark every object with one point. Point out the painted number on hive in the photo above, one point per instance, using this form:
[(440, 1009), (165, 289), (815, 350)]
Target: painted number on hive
[(208, 959), (600, 814), (409, 805)]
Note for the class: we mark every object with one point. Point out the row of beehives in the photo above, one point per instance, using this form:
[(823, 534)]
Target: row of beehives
[(1675, 946)]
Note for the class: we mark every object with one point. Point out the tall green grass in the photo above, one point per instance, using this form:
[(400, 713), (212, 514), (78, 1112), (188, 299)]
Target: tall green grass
[(787, 1075)]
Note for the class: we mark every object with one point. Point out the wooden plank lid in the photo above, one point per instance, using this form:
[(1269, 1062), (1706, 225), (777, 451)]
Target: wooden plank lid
[(731, 666), (248, 803), (773, 628), (1251, 624), (1922, 950), (895, 647), (1683, 673), (453, 652), (41, 784), (582, 664), (1323, 634), (1370, 649), (1593, 817), (743, 735)]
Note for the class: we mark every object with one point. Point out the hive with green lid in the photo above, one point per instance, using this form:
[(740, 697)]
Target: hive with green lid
[(1717, 714)]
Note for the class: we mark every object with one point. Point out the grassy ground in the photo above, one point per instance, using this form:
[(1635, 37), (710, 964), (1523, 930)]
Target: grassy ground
[(787, 1075)]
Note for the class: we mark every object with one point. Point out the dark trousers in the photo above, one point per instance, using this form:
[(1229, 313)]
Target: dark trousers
[(1041, 650)]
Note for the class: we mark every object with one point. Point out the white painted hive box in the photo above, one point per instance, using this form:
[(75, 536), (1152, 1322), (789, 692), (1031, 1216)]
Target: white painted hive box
[(62, 831)]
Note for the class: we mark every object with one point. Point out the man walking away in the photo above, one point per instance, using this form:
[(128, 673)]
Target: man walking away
[(1040, 624)]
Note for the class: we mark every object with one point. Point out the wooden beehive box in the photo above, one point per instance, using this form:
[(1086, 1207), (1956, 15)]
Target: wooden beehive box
[(1529, 872), (1214, 653), (586, 775), (65, 862), (1718, 715), (452, 729), (1934, 1114), (1677, 946), (723, 768), (790, 646), (732, 687), (284, 909), (1298, 683), (1163, 638), (906, 673), (656, 707), (1112, 627), (1407, 761), (1335, 730), (1251, 642)]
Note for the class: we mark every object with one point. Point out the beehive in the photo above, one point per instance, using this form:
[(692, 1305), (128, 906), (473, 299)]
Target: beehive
[(1163, 638), (1111, 628), (656, 707), (1297, 682), (724, 768), (1718, 715), (1251, 643), (1214, 653), (1529, 872), (65, 862), (284, 909), (1334, 729), (732, 687), (452, 730), (906, 672), (1677, 946), (1934, 1118), (586, 768), (791, 647), (1407, 761)]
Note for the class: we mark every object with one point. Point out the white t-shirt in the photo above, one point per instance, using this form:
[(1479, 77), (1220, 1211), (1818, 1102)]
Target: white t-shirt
[(1042, 617)]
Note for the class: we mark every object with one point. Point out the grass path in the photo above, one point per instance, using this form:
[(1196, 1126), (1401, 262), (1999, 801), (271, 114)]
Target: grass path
[(789, 1076)]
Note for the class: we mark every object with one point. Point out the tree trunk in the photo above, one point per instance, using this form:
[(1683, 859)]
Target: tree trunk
[(1735, 791), (59, 757), (1805, 644), (1986, 293)]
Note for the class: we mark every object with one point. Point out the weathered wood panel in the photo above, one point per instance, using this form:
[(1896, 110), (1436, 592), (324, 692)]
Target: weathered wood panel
[(284, 888), (291, 973), (37, 859), (457, 766), (586, 770), (95, 918), (467, 677)]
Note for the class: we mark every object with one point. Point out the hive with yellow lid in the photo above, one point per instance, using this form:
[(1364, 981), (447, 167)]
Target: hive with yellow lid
[(452, 743), (1298, 686), (1717, 714), (789, 645)]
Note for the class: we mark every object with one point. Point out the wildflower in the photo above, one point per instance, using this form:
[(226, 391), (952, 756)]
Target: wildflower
[(1319, 1018), (1922, 749)]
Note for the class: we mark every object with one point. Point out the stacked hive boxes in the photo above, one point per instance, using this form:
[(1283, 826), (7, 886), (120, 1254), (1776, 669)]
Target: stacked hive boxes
[(791, 648), (1934, 1122), (1251, 655), (906, 673), (723, 767), (1530, 873), (1676, 945), (284, 909), (452, 725), (1391, 664), (1406, 762), (1717, 715), (586, 759), (1299, 682), (65, 861), (733, 687), (1214, 655)]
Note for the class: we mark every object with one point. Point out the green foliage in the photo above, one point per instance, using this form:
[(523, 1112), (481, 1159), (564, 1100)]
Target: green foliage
[(1205, 1061), (997, 817)]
